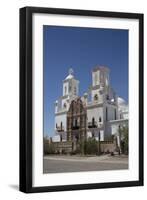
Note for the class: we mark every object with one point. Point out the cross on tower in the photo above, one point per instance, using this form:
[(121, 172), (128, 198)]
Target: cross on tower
[(71, 71)]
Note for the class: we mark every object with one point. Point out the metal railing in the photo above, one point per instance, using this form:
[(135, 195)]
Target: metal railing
[(60, 129), (92, 124)]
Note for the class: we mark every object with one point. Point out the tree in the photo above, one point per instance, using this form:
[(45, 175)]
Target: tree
[(48, 146), (124, 139)]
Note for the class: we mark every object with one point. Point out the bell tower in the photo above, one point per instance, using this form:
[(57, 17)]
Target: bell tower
[(100, 81), (100, 76), (70, 85)]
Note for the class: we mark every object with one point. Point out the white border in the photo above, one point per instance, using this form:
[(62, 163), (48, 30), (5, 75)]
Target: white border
[(40, 179)]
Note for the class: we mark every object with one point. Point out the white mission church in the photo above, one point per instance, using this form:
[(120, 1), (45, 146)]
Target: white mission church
[(99, 113)]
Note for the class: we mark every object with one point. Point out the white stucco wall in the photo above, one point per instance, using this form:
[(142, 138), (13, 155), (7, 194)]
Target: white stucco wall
[(110, 112), (125, 116), (56, 138), (59, 119), (100, 96), (115, 125), (101, 136), (114, 129), (97, 80), (89, 135), (67, 104), (65, 84), (96, 113)]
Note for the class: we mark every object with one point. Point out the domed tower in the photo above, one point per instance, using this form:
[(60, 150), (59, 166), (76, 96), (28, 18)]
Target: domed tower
[(70, 92), (70, 85)]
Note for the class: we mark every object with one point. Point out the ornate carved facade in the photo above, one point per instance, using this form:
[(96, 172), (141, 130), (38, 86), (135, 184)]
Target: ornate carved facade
[(76, 121)]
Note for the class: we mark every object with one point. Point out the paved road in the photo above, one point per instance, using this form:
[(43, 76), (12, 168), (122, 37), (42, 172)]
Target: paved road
[(59, 164)]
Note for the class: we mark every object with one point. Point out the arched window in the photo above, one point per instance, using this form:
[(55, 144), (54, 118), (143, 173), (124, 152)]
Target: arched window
[(61, 138), (56, 125), (93, 121), (100, 119), (61, 125), (64, 105), (115, 114), (65, 90), (95, 97), (95, 79), (69, 88)]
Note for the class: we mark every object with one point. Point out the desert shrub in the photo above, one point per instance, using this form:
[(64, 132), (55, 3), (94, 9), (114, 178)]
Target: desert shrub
[(50, 149), (124, 139), (91, 146)]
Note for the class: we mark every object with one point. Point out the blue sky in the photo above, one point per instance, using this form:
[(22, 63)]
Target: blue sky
[(81, 49)]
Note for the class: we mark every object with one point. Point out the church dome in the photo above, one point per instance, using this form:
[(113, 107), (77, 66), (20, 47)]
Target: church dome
[(70, 75), (121, 101), (122, 105)]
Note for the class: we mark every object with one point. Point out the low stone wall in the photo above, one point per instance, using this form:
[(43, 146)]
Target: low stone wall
[(67, 147), (107, 146), (46, 144), (62, 147)]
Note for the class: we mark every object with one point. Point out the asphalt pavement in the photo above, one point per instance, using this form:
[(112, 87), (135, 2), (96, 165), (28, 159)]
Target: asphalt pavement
[(63, 164)]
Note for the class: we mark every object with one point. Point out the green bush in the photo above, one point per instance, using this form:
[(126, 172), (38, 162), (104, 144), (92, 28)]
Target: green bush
[(91, 146)]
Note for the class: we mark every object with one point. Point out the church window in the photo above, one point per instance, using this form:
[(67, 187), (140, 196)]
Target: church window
[(100, 119), (56, 125), (65, 90), (96, 79), (76, 122), (93, 121), (95, 97), (115, 114), (61, 125), (69, 88), (64, 105)]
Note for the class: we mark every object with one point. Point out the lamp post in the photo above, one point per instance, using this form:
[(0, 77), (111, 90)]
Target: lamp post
[(99, 145), (119, 140)]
